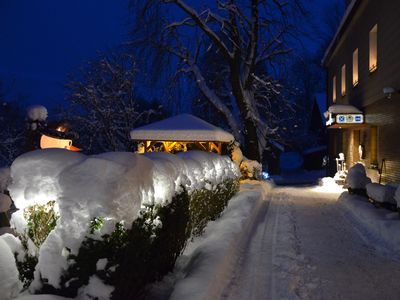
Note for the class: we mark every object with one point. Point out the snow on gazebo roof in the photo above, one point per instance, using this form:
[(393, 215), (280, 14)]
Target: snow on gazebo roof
[(184, 127)]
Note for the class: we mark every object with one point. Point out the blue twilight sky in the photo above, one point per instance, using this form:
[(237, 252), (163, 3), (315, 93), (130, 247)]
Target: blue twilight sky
[(42, 41)]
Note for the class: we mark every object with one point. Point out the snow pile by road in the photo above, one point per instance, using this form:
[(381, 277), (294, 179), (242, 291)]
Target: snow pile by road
[(380, 226), (207, 263), (357, 177), (114, 186), (10, 284), (381, 193)]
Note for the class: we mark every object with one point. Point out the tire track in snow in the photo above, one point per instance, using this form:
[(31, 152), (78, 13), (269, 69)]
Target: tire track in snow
[(304, 248)]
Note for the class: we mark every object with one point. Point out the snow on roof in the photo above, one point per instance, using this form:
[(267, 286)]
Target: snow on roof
[(37, 113), (184, 127), (343, 109)]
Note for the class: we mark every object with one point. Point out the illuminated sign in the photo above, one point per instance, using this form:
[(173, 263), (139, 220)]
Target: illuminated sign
[(350, 119)]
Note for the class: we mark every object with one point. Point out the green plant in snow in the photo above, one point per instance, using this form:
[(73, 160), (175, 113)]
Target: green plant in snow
[(208, 203), (41, 220)]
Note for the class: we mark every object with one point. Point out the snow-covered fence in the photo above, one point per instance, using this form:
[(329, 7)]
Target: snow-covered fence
[(115, 188)]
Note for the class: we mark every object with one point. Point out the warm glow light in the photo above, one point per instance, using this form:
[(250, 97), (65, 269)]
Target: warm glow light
[(373, 49), (50, 142), (343, 90), (355, 67), (334, 89)]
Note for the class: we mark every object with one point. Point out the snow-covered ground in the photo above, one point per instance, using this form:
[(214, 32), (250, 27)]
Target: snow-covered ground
[(306, 247), (205, 267)]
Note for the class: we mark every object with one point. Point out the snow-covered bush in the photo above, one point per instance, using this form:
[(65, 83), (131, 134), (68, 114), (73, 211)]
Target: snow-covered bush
[(108, 200), (250, 169), (357, 180)]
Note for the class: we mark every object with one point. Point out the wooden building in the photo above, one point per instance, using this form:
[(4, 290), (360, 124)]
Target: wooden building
[(181, 133), (363, 66)]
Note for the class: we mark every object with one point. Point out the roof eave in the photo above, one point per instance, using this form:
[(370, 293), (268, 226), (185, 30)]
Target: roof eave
[(345, 20)]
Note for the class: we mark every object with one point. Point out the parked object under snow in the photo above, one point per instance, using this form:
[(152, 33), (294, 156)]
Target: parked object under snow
[(382, 194), (181, 133), (103, 192), (357, 179)]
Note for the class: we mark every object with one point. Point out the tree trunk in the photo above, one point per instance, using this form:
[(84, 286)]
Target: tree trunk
[(250, 131)]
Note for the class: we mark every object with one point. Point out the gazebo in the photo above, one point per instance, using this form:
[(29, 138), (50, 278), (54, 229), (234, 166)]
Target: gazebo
[(179, 134)]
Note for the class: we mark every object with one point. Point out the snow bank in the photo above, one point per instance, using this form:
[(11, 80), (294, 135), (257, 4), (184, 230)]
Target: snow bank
[(380, 226), (357, 177), (114, 186), (381, 193), (208, 262), (37, 113), (9, 281)]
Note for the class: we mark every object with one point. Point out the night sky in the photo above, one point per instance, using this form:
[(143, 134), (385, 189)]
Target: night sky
[(43, 41)]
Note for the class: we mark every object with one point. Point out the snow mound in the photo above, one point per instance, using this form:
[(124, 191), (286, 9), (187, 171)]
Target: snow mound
[(9, 281), (208, 262), (381, 193), (357, 177), (251, 169), (96, 289), (114, 186), (37, 113)]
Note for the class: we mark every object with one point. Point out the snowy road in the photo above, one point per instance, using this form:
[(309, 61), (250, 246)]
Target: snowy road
[(304, 248)]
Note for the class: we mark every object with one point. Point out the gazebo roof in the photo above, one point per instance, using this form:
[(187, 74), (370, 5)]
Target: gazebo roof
[(184, 127)]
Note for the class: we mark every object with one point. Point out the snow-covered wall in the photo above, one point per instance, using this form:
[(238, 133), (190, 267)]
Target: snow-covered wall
[(114, 186)]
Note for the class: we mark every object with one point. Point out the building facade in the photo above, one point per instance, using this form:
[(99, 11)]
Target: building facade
[(363, 72)]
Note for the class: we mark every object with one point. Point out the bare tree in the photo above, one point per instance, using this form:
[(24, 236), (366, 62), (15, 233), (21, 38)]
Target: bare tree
[(105, 107), (248, 36)]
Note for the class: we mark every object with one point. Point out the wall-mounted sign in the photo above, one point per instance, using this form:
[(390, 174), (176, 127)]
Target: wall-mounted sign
[(350, 119)]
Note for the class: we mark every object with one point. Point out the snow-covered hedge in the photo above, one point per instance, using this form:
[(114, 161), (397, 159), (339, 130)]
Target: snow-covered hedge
[(101, 199)]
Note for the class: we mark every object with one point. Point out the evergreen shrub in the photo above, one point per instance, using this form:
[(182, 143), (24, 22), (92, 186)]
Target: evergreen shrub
[(148, 250), (41, 220)]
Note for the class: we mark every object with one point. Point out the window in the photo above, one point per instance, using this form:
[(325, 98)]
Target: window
[(334, 89), (343, 83), (373, 49), (355, 67)]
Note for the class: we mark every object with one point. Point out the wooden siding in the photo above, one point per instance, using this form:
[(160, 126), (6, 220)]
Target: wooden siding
[(386, 14), (382, 115)]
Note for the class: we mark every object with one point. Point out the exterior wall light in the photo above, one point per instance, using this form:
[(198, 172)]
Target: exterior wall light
[(389, 91)]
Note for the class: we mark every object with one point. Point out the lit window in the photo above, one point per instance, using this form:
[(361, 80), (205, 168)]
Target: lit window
[(373, 49), (343, 83), (334, 89), (355, 67)]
